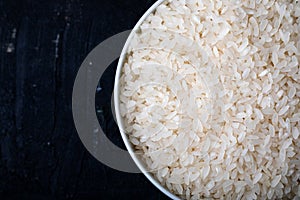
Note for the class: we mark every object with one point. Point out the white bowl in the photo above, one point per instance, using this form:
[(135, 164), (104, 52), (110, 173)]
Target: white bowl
[(119, 118)]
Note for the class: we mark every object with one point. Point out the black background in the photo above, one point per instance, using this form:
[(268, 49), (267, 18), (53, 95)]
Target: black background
[(42, 45)]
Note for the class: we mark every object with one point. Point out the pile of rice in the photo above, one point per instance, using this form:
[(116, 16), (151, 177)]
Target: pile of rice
[(210, 98)]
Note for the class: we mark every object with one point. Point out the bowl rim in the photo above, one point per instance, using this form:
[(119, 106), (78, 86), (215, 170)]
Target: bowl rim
[(119, 118)]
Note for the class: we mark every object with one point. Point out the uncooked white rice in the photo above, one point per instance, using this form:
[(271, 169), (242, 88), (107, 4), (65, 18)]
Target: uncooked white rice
[(210, 98)]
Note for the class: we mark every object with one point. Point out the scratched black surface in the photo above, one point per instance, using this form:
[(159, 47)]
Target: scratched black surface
[(42, 45)]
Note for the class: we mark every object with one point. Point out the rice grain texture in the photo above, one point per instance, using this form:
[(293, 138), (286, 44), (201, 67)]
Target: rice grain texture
[(210, 95)]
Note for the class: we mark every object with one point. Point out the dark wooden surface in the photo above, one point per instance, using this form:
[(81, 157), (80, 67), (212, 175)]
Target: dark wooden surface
[(42, 45)]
